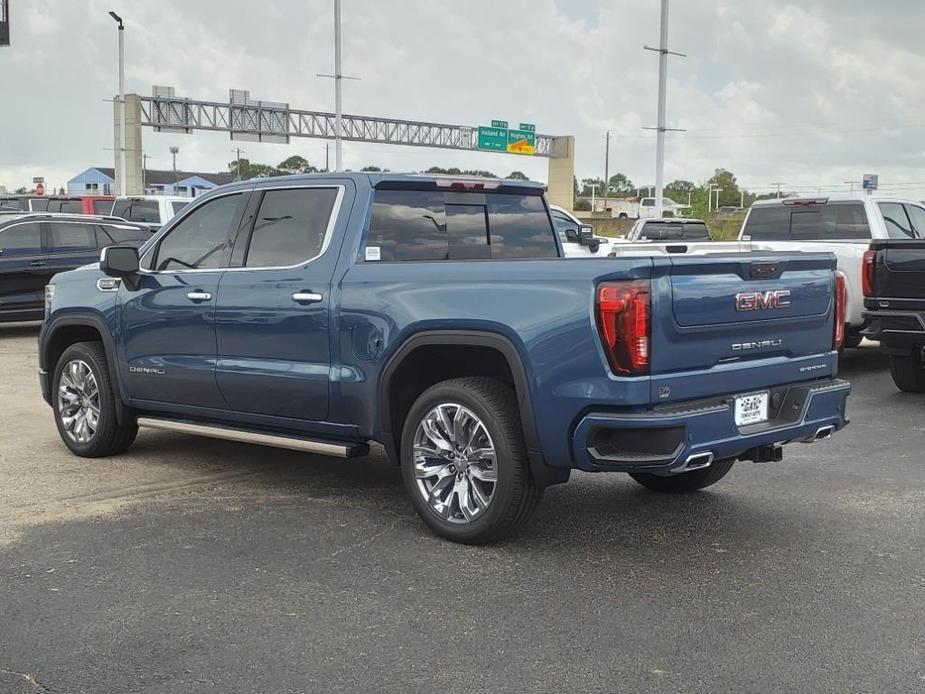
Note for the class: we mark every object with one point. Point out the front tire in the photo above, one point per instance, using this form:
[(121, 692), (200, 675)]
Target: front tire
[(464, 461), (84, 404), (685, 481), (908, 373)]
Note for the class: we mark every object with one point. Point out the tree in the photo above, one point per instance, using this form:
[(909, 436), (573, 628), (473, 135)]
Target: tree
[(587, 183), (518, 176), (251, 170), (582, 205), (295, 165), (371, 169), (621, 185), (729, 193)]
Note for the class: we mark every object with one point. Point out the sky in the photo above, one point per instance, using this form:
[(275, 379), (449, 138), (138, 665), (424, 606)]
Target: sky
[(813, 94)]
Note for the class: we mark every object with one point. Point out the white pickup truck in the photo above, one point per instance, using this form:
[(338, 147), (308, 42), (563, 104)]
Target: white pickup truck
[(153, 210), (842, 225), (578, 239)]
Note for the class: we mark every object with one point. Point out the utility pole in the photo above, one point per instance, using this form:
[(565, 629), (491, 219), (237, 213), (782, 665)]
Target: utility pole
[(144, 170), (742, 200), (237, 168), (710, 196), (606, 166), (593, 191), (338, 76), (118, 19), (174, 150), (327, 156), (661, 128), (778, 184)]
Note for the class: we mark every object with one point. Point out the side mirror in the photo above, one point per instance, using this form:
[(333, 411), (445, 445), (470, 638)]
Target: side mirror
[(594, 245), (586, 234), (571, 235), (119, 261)]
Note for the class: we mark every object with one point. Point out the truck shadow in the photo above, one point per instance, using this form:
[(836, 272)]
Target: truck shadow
[(13, 330), (868, 358)]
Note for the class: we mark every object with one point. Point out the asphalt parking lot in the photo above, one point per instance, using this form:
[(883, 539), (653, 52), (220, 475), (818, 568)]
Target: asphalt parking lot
[(194, 565)]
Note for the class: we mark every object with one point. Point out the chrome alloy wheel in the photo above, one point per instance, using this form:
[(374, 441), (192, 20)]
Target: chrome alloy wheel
[(78, 401), (455, 465)]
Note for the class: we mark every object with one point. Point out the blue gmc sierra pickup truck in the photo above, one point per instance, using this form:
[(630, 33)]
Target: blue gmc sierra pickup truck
[(438, 317)]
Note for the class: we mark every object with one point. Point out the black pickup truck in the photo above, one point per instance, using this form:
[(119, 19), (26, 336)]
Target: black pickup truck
[(893, 279)]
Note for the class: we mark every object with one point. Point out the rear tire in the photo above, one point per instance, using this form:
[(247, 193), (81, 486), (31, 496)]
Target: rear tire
[(908, 373), (474, 487), (84, 405), (686, 481), (853, 339)]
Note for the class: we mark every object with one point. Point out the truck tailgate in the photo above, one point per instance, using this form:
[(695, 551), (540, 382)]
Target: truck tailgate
[(729, 311), (901, 268)]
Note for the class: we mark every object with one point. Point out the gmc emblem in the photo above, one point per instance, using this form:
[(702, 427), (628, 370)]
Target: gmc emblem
[(759, 301)]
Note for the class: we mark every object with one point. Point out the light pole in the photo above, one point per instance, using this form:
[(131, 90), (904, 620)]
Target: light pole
[(852, 184), (237, 168), (118, 19), (710, 196), (593, 191), (174, 151)]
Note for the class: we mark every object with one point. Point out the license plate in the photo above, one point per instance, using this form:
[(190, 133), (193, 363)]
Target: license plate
[(751, 409)]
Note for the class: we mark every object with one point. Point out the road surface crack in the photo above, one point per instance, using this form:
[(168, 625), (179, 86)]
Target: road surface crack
[(28, 677)]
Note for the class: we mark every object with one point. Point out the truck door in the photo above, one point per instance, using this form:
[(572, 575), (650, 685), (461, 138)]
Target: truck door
[(23, 267), (273, 315), (169, 317)]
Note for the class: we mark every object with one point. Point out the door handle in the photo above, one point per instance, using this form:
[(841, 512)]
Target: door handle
[(307, 297), (37, 263), (198, 296)]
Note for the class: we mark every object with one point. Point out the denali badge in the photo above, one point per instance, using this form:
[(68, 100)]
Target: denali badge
[(146, 370), (756, 301), (760, 344)]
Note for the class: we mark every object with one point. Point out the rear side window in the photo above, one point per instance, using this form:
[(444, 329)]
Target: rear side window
[(38, 204), (21, 239), (145, 211), (832, 221), (290, 227), (102, 206), (917, 216), (432, 225), (71, 206), (70, 237), (897, 223)]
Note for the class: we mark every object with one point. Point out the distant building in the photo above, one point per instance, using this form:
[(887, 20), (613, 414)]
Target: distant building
[(100, 180)]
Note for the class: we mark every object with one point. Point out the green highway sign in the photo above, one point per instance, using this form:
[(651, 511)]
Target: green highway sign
[(521, 142), (499, 124), (493, 139), (529, 127)]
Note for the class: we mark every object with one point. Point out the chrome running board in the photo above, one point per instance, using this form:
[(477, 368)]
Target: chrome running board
[(336, 449)]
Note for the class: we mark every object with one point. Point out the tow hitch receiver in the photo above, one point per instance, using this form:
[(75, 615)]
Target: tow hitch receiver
[(770, 453)]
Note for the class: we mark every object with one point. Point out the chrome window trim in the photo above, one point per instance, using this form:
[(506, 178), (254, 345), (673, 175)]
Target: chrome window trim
[(328, 232)]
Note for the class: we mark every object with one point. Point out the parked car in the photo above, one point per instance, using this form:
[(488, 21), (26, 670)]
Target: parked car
[(893, 278), (435, 316), (578, 239), (81, 204), (34, 247), (669, 229), (844, 226), (154, 210)]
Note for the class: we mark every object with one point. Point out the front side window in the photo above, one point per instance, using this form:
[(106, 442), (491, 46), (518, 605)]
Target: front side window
[(290, 227), (71, 237), (897, 223), (21, 239), (202, 238)]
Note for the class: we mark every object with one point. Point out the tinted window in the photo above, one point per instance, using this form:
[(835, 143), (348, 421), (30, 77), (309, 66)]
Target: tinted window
[(290, 226), (38, 204), (71, 206), (145, 211), (768, 223), (696, 231), (662, 231), (520, 227), (832, 221), (21, 239), (408, 225), (897, 223), (116, 233), (201, 239), (70, 237), (102, 206), (648, 202), (177, 206), (917, 215), (467, 231)]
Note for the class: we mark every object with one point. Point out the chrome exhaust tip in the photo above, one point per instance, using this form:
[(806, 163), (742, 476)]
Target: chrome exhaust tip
[(821, 434), (697, 461)]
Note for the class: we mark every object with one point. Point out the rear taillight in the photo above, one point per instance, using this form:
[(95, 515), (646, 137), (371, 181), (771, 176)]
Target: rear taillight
[(623, 321), (867, 273), (841, 307)]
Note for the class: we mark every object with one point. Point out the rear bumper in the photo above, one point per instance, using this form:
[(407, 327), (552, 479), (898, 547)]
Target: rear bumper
[(664, 438), (897, 330)]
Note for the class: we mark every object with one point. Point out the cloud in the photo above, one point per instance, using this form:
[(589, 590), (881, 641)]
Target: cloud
[(813, 93)]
